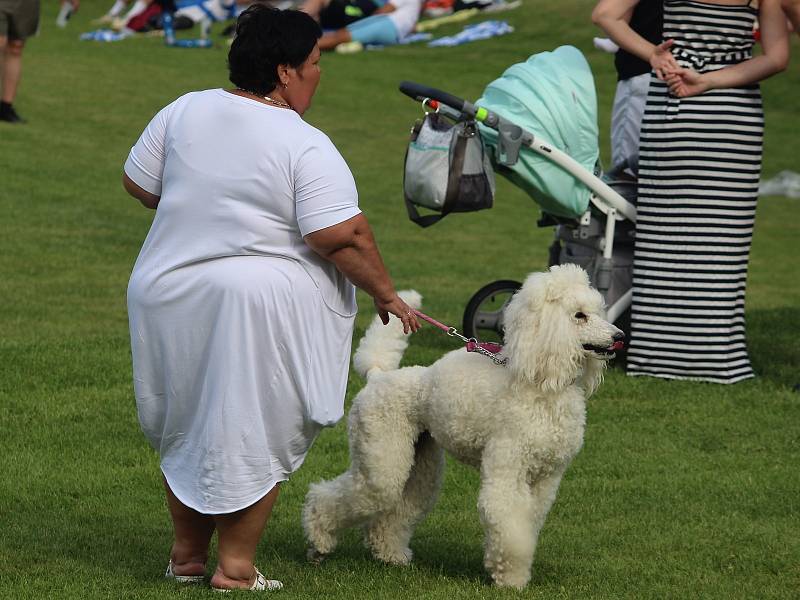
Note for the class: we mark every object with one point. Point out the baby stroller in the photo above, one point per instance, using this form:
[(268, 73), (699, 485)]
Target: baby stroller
[(539, 125)]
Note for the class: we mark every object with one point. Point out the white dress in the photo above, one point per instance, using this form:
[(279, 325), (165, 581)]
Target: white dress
[(240, 333)]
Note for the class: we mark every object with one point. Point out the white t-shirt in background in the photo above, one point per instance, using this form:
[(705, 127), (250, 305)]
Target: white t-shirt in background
[(405, 15)]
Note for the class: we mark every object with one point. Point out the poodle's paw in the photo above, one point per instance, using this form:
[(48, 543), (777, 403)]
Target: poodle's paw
[(397, 555), (507, 572), (318, 519), (388, 542), (314, 556), (320, 542), (400, 557), (503, 577)]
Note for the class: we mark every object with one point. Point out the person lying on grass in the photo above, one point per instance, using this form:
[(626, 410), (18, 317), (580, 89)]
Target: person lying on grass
[(336, 14), (387, 26)]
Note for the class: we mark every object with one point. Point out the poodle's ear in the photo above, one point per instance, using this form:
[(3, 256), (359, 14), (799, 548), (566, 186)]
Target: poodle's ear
[(541, 343)]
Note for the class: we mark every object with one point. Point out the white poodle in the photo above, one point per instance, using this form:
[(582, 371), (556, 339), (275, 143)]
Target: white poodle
[(521, 424)]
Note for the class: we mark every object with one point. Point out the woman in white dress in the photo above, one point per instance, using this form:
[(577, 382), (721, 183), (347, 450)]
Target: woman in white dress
[(241, 302)]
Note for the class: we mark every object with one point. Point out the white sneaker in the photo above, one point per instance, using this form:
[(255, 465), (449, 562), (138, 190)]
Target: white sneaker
[(349, 47)]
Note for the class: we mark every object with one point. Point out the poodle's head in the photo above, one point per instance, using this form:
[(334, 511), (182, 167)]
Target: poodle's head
[(556, 333)]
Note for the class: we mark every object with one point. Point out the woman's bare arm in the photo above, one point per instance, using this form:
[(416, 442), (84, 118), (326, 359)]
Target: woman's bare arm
[(142, 195), (772, 60), (351, 246), (612, 16)]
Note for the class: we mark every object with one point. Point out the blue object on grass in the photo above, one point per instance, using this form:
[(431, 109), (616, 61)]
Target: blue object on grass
[(195, 43), (413, 38), (104, 35), (472, 33)]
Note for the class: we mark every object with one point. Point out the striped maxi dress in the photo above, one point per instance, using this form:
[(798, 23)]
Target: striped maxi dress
[(700, 161)]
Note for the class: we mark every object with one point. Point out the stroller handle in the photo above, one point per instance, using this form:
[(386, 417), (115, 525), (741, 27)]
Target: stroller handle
[(420, 92)]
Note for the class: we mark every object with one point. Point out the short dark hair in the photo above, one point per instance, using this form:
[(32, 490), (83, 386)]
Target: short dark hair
[(266, 38)]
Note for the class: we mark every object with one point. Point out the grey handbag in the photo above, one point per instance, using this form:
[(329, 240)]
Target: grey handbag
[(446, 170)]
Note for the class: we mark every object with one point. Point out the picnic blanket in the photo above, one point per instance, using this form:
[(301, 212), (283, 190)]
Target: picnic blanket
[(473, 33), (106, 35)]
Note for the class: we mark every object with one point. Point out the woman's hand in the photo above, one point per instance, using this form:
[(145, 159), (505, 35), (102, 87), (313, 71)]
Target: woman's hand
[(663, 62), (399, 309), (687, 83)]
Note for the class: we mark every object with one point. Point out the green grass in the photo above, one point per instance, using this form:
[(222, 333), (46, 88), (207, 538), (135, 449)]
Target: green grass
[(682, 489)]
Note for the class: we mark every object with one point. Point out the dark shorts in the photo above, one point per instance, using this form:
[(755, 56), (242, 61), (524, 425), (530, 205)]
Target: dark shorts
[(19, 19), (340, 13)]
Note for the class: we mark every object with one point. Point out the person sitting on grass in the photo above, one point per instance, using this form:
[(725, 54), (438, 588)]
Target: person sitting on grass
[(336, 14), (386, 26), (113, 13)]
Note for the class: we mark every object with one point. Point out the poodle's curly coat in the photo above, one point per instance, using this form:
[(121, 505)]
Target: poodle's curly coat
[(520, 425)]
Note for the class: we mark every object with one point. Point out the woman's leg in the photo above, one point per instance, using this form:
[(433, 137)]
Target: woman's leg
[(239, 534), (12, 71), (193, 531), (331, 39)]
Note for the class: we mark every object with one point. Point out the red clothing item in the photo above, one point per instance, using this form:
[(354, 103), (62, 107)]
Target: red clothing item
[(141, 21)]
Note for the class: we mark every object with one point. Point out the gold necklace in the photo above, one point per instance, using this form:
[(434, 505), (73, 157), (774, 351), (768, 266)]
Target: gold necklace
[(269, 99)]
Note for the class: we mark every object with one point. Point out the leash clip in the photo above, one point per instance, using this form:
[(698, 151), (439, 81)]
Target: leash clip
[(473, 345)]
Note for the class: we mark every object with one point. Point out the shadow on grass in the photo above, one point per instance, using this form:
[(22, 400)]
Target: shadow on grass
[(772, 345)]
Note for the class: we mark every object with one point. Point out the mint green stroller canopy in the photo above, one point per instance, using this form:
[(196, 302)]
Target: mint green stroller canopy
[(552, 96)]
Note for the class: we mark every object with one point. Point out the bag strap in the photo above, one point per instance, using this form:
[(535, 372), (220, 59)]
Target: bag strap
[(456, 170), (453, 184)]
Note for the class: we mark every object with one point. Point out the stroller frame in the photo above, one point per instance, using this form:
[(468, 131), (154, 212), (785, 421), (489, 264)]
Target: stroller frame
[(511, 139)]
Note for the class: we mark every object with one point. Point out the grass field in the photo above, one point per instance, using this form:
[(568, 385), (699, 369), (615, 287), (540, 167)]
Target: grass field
[(682, 489)]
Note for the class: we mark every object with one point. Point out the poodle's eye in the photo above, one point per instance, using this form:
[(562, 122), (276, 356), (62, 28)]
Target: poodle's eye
[(580, 316)]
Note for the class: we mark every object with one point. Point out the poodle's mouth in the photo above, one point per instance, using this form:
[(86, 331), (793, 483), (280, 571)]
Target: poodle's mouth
[(606, 352)]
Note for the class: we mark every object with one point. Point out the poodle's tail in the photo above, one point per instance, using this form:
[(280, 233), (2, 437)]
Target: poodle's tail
[(382, 346)]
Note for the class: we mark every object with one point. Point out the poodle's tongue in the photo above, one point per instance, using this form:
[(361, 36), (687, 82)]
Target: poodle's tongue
[(618, 345)]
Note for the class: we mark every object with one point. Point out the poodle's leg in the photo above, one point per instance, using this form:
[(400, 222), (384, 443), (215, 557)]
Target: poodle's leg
[(508, 508), (329, 505), (382, 452), (543, 492), (389, 533), (505, 509), (328, 509)]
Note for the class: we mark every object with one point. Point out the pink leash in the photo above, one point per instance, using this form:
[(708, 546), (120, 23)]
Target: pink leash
[(489, 349)]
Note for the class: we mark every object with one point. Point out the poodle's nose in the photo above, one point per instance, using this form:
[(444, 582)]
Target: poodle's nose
[(619, 336)]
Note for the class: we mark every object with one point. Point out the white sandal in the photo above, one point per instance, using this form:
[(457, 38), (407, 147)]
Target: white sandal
[(260, 584), (191, 579)]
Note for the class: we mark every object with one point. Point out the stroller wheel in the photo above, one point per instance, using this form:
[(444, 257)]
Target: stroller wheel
[(483, 317)]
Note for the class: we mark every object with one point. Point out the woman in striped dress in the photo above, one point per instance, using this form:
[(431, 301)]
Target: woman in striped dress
[(700, 162)]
